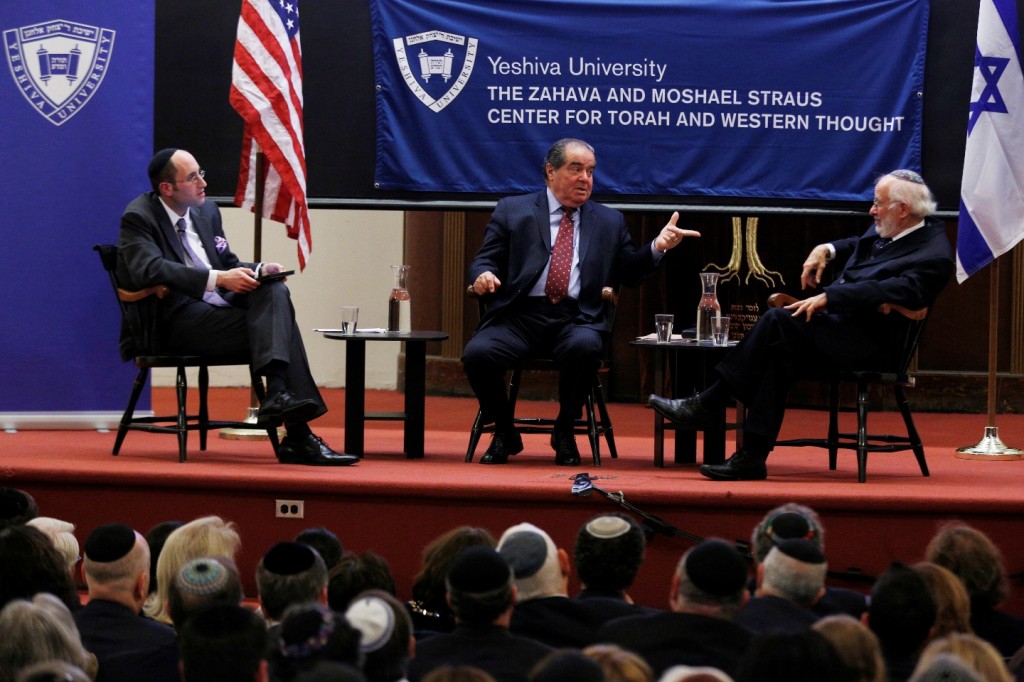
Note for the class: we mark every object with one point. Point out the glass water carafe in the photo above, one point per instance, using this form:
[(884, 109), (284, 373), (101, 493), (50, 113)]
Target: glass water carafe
[(708, 307), (399, 304)]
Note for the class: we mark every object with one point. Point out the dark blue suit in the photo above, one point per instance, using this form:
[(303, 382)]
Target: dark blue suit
[(781, 348), (516, 248), (262, 321)]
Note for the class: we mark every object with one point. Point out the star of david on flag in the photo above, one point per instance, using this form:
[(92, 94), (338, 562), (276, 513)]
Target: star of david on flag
[(992, 189)]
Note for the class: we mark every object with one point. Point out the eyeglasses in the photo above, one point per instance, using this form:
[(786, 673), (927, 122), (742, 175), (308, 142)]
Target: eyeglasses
[(191, 178)]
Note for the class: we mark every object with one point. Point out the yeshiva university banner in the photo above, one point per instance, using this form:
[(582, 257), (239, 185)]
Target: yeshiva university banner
[(783, 99)]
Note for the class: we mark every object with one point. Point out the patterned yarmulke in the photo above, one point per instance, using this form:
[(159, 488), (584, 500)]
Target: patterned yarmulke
[(374, 619), (306, 632), (159, 161), (717, 568), (289, 558), (202, 577), (478, 569), (607, 527), (802, 550), (109, 543)]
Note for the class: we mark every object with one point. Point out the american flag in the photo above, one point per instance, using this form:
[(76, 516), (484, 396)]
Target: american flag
[(266, 90)]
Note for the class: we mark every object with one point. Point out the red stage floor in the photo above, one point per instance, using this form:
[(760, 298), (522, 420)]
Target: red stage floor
[(394, 506)]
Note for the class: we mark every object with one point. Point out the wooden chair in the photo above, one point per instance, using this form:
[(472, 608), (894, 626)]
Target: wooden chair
[(181, 422), (895, 376), (596, 421)]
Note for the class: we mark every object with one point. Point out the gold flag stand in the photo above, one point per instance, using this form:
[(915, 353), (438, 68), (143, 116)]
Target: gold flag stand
[(253, 433), (990, 446)]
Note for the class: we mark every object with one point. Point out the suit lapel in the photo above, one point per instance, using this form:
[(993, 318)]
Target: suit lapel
[(542, 218), (205, 232), (169, 230), (586, 215)]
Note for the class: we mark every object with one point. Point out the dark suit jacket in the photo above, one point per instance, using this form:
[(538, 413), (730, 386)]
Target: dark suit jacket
[(127, 646), (151, 253), (507, 657), (517, 247), (774, 615)]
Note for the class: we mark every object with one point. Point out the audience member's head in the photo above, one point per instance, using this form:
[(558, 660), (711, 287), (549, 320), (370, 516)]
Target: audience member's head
[(974, 558), (980, 656), (223, 643), (52, 671), (620, 664), (710, 579), (385, 635), (794, 570), (567, 665), (29, 564), (801, 657), (329, 671), (326, 544), (356, 573), (310, 633), (290, 573), (201, 583), (429, 601), (155, 538), (458, 673), (202, 537), (608, 553), (16, 507), (540, 568), (856, 645), (901, 612), (62, 535), (480, 587), (945, 668), (687, 673), (952, 603), (789, 522), (117, 565), (37, 631)]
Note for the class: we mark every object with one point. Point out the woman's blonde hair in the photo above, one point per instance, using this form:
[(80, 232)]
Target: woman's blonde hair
[(973, 651), (620, 664), (206, 536), (858, 647), (952, 603)]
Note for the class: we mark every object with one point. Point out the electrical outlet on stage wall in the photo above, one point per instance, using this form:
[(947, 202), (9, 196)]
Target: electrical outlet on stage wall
[(289, 509)]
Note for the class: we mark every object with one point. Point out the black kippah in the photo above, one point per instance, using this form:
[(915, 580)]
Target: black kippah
[(802, 550), (16, 506), (790, 525), (109, 543), (159, 162), (289, 558), (715, 567), (478, 569)]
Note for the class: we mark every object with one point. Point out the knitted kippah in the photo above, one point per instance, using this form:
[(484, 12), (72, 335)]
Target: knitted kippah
[(289, 558), (525, 550), (109, 543), (374, 619), (306, 632), (159, 162), (202, 577), (715, 567), (607, 527), (478, 569), (802, 550)]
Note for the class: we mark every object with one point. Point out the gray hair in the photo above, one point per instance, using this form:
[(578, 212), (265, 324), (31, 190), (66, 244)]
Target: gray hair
[(908, 187), (797, 581)]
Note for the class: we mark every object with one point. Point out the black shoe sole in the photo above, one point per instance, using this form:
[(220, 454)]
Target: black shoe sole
[(718, 476)]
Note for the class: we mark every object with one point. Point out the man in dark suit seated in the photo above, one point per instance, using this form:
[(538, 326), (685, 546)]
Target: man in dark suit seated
[(542, 287), (904, 259), (173, 236)]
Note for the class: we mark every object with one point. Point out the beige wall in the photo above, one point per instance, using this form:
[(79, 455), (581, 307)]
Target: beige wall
[(352, 252)]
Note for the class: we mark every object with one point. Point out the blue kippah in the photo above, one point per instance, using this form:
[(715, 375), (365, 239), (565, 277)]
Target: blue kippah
[(202, 577), (525, 551)]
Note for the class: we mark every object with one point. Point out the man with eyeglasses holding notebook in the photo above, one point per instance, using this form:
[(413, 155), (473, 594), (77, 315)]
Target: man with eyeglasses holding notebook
[(904, 259), (218, 304)]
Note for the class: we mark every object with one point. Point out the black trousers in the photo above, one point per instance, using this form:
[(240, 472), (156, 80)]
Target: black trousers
[(533, 327)]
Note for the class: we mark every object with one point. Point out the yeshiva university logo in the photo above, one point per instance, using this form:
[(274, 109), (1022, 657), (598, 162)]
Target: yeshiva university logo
[(58, 65), (430, 65)]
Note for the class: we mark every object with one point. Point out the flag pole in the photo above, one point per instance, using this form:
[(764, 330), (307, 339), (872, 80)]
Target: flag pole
[(990, 446), (257, 249)]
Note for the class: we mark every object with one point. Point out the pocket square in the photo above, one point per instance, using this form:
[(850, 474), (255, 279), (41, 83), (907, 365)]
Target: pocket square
[(220, 244)]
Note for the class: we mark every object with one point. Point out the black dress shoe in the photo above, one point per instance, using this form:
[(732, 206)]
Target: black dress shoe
[(563, 442), (503, 445), (740, 467), (686, 411), (285, 407), (311, 450)]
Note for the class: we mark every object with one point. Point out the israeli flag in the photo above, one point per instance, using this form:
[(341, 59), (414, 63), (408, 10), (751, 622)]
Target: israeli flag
[(992, 189)]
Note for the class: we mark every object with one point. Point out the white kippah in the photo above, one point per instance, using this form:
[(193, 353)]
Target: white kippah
[(373, 617), (608, 527)]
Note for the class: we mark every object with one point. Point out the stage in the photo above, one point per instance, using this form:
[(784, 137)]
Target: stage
[(393, 506)]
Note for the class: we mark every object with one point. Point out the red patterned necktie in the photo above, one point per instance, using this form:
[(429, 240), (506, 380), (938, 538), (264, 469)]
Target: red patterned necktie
[(557, 286)]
